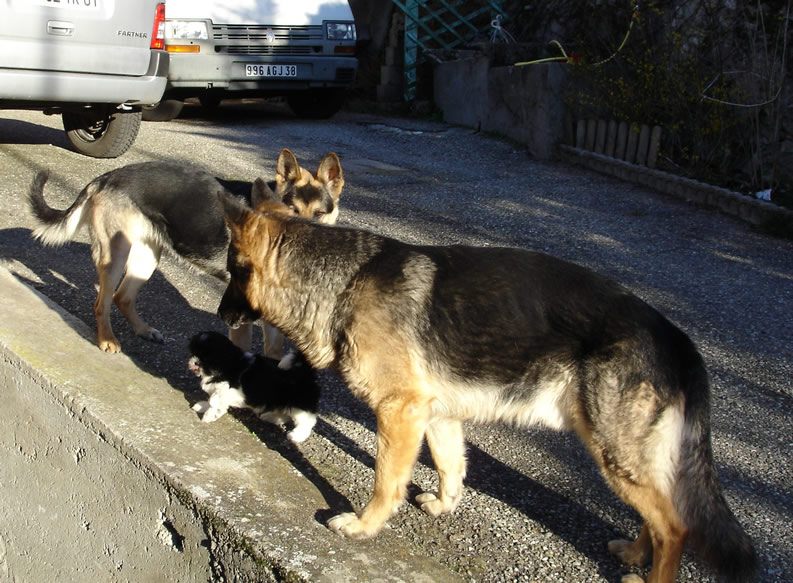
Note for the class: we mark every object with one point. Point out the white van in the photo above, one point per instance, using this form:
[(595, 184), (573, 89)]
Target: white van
[(301, 49), (94, 62)]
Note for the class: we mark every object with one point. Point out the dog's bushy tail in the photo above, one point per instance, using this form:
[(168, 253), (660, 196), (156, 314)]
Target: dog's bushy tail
[(55, 227), (714, 531)]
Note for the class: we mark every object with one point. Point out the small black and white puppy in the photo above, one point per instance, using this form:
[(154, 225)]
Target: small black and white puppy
[(276, 391)]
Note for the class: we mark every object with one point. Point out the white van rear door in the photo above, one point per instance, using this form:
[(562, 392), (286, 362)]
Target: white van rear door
[(80, 36)]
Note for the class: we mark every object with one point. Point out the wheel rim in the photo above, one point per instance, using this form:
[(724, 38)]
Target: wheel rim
[(93, 132)]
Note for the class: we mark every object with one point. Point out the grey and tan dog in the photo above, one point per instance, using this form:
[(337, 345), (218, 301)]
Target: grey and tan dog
[(133, 213), (432, 336)]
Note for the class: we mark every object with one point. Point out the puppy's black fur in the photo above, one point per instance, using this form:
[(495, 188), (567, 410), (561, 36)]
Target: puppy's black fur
[(275, 390)]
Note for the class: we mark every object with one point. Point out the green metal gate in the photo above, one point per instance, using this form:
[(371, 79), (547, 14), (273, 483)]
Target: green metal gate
[(443, 24)]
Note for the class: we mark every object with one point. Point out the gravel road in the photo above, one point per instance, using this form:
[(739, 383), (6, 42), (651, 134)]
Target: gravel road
[(535, 508)]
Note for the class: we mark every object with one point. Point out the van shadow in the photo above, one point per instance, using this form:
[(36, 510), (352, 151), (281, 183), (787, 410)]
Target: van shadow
[(15, 131)]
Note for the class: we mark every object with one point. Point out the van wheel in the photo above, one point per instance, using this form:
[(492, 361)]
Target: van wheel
[(102, 136), (316, 103), (165, 110)]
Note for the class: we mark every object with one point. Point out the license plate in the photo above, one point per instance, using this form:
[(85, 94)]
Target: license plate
[(71, 4), (271, 70)]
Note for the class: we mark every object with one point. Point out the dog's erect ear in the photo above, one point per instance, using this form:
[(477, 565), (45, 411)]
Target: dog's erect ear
[(287, 169), (261, 192), (330, 173), (234, 212)]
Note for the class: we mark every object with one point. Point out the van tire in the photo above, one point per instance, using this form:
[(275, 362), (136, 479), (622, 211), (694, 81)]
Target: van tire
[(165, 110), (106, 136), (316, 103)]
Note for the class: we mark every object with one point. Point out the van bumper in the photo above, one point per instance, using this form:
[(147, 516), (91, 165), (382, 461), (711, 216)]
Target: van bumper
[(228, 72), (54, 87)]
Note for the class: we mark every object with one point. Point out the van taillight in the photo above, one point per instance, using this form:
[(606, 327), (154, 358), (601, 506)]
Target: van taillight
[(158, 33)]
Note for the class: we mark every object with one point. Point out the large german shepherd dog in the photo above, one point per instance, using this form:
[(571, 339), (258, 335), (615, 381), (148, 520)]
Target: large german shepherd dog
[(133, 213), (431, 336)]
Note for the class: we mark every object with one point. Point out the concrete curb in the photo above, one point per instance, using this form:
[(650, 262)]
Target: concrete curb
[(753, 211), (108, 475)]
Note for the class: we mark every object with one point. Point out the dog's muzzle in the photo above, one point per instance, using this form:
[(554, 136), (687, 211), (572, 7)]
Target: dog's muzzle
[(193, 366), (232, 319), (234, 309)]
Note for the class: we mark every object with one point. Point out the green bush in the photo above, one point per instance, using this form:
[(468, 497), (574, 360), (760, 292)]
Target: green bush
[(709, 73)]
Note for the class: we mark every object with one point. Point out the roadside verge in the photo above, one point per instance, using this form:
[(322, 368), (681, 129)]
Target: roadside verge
[(108, 475), (752, 211)]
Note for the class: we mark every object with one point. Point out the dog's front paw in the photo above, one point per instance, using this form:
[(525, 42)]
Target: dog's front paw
[(434, 506), (630, 553), (212, 414), (110, 345), (348, 524), (155, 336), (151, 334), (201, 407)]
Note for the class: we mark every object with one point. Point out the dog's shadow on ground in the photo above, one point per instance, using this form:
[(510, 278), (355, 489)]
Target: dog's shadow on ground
[(568, 519), (67, 277), (237, 111), (274, 437)]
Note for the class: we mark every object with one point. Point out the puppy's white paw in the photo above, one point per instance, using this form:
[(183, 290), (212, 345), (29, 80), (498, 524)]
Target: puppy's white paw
[(304, 423), (212, 414), (288, 361), (201, 407), (300, 433)]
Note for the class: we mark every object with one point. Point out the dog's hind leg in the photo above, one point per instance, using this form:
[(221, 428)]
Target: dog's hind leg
[(447, 445), (636, 455), (142, 260), (663, 530), (401, 422), (110, 261)]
